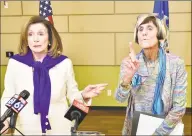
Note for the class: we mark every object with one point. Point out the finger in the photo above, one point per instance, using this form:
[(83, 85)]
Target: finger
[(132, 57), (126, 61), (92, 86), (132, 65), (132, 53), (128, 65), (127, 70), (131, 49), (94, 95), (137, 63), (102, 85), (98, 90), (124, 65)]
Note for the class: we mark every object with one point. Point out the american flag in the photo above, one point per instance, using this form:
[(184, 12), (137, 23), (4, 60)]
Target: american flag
[(45, 10)]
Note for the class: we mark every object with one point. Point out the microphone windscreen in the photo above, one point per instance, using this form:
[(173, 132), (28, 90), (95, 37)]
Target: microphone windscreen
[(79, 108)]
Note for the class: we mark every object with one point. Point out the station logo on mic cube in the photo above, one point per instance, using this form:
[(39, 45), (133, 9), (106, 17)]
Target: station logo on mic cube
[(81, 106), (16, 103), (12, 101), (19, 105)]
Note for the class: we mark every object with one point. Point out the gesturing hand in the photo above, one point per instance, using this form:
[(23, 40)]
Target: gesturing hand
[(93, 90), (129, 65)]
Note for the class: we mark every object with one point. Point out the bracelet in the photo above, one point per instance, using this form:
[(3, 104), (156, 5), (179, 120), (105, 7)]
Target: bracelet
[(125, 86)]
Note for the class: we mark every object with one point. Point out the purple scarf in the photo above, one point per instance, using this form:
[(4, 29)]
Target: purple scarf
[(42, 83)]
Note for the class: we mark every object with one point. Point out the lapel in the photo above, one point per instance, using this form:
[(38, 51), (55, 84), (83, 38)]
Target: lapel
[(142, 70), (145, 77), (167, 87)]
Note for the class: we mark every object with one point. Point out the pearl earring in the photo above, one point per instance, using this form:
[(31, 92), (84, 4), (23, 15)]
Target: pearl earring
[(49, 44)]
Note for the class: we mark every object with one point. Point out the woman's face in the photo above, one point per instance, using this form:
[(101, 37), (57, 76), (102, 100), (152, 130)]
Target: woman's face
[(38, 38), (147, 35)]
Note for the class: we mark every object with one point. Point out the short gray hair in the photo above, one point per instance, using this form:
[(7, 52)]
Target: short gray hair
[(162, 34)]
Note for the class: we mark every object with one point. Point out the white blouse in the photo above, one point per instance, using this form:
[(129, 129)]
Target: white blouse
[(19, 77)]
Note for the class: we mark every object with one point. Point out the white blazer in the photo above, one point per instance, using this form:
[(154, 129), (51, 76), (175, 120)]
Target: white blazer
[(19, 77)]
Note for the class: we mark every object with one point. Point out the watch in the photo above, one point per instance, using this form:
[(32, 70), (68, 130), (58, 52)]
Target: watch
[(125, 86)]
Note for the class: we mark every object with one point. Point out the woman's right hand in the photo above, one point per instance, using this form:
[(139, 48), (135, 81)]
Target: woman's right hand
[(6, 123), (129, 66)]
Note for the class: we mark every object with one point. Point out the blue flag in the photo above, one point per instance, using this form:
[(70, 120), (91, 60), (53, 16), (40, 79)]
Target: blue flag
[(162, 8)]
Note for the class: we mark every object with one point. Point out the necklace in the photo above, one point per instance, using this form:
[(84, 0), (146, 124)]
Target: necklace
[(150, 65)]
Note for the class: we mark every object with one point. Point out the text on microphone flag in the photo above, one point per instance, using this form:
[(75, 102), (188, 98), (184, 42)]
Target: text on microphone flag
[(81, 106)]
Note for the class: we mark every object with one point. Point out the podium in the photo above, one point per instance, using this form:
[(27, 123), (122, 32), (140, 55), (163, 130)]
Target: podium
[(88, 133)]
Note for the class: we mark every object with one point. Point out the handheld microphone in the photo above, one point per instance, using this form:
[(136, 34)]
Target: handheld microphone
[(76, 114), (15, 104)]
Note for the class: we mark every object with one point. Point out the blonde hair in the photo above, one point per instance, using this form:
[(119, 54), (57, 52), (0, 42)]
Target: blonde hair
[(55, 49), (162, 34)]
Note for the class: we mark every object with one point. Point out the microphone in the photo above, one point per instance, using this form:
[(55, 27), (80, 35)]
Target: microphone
[(76, 113), (15, 104)]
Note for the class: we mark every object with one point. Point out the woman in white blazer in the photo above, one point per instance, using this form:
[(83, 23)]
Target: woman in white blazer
[(48, 76)]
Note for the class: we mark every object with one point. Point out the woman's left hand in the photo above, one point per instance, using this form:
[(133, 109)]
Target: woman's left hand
[(93, 90)]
